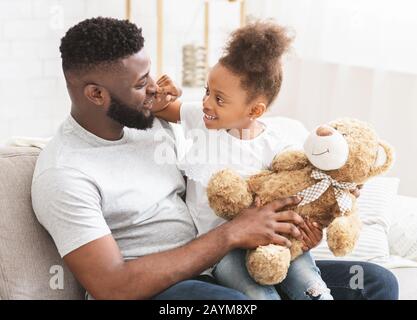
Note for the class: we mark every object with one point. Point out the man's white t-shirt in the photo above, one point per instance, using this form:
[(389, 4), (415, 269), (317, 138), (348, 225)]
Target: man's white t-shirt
[(85, 187), (211, 151)]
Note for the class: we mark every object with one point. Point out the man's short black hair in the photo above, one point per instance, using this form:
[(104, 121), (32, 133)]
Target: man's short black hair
[(98, 41)]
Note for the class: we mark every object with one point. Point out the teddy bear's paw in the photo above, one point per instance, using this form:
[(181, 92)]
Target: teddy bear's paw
[(268, 265), (228, 194), (342, 235)]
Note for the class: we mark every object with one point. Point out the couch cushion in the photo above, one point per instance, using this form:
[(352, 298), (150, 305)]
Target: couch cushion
[(407, 278), (30, 267), (402, 234)]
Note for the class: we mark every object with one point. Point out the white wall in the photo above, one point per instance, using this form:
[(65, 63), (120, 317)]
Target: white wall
[(33, 97), (353, 58)]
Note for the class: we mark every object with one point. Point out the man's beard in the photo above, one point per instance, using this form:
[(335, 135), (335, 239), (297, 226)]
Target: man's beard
[(129, 117)]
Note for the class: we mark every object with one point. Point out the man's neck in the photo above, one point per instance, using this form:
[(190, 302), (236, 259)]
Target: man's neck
[(98, 124)]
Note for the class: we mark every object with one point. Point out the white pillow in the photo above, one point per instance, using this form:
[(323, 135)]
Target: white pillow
[(374, 205), (403, 232)]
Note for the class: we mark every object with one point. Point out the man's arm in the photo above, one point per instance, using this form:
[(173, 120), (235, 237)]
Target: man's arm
[(100, 268)]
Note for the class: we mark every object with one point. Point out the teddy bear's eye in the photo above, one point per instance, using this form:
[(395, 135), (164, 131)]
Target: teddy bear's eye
[(343, 134)]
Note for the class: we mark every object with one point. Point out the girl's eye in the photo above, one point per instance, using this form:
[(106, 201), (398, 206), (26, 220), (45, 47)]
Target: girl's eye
[(207, 91), (219, 100)]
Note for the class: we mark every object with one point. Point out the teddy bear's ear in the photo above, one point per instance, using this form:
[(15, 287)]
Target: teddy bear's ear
[(384, 159)]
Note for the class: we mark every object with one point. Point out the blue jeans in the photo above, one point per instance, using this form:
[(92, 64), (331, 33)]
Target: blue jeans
[(378, 284), (303, 280), (199, 290)]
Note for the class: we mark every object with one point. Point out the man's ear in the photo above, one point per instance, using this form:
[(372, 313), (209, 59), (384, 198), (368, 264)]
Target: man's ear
[(96, 94), (384, 159), (257, 110)]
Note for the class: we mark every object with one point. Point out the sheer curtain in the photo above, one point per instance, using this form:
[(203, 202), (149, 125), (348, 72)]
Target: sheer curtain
[(354, 58)]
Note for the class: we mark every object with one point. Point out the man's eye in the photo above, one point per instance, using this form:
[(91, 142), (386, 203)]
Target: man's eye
[(142, 84)]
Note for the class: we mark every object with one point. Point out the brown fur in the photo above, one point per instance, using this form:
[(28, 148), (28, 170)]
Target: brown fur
[(290, 173)]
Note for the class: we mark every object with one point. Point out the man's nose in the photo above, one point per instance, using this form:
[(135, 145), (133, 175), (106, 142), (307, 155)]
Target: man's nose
[(151, 87), (324, 131)]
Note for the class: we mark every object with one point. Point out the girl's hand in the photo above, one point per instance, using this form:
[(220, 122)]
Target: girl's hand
[(166, 92), (312, 235)]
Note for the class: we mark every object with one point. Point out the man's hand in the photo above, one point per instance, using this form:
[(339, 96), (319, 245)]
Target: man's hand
[(166, 92), (265, 225), (312, 234), (357, 191)]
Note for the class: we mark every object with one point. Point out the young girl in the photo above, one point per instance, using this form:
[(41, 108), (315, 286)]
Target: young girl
[(227, 133)]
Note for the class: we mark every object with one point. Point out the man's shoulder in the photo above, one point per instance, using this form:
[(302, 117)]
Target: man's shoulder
[(56, 156), (161, 132)]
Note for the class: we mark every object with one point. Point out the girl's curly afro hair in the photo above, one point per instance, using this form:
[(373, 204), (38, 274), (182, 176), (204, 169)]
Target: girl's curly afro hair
[(254, 53)]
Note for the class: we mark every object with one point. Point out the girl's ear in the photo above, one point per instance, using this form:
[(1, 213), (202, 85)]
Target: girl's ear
[(257, 110)]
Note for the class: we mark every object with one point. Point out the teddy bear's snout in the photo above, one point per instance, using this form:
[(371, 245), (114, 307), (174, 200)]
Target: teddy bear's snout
[(324, 131)]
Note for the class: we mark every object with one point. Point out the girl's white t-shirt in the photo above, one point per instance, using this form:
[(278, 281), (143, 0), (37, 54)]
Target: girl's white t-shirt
[(210, 150)]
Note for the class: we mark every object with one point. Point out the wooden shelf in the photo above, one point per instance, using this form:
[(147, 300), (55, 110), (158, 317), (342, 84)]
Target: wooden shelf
[(160, 27)]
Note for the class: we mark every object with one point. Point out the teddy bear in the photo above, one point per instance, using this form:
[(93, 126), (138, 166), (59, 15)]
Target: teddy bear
[(337, 157)]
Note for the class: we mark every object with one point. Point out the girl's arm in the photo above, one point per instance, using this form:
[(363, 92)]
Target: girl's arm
[(170, 112), (167, 105)]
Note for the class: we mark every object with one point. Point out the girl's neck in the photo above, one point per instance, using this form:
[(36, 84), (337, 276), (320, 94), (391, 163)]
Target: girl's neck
[(250, 132)]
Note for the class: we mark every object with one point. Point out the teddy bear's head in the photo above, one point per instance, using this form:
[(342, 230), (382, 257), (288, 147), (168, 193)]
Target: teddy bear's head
[(348, 150)]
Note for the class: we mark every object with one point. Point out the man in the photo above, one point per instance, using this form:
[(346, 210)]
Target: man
[(115, 215)]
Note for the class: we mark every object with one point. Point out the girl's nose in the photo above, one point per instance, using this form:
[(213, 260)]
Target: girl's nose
[(324, 131), (205, 102)]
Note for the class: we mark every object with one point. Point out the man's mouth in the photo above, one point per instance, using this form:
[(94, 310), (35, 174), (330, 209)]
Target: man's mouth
[(209, 117), (148, 103), (319, 154)]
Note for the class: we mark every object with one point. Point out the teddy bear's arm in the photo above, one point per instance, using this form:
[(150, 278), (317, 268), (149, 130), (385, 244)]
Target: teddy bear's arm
[(289, 160), (228, 194), (343, 231)]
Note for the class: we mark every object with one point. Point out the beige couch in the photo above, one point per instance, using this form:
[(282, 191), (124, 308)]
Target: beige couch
[(30, 267)]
